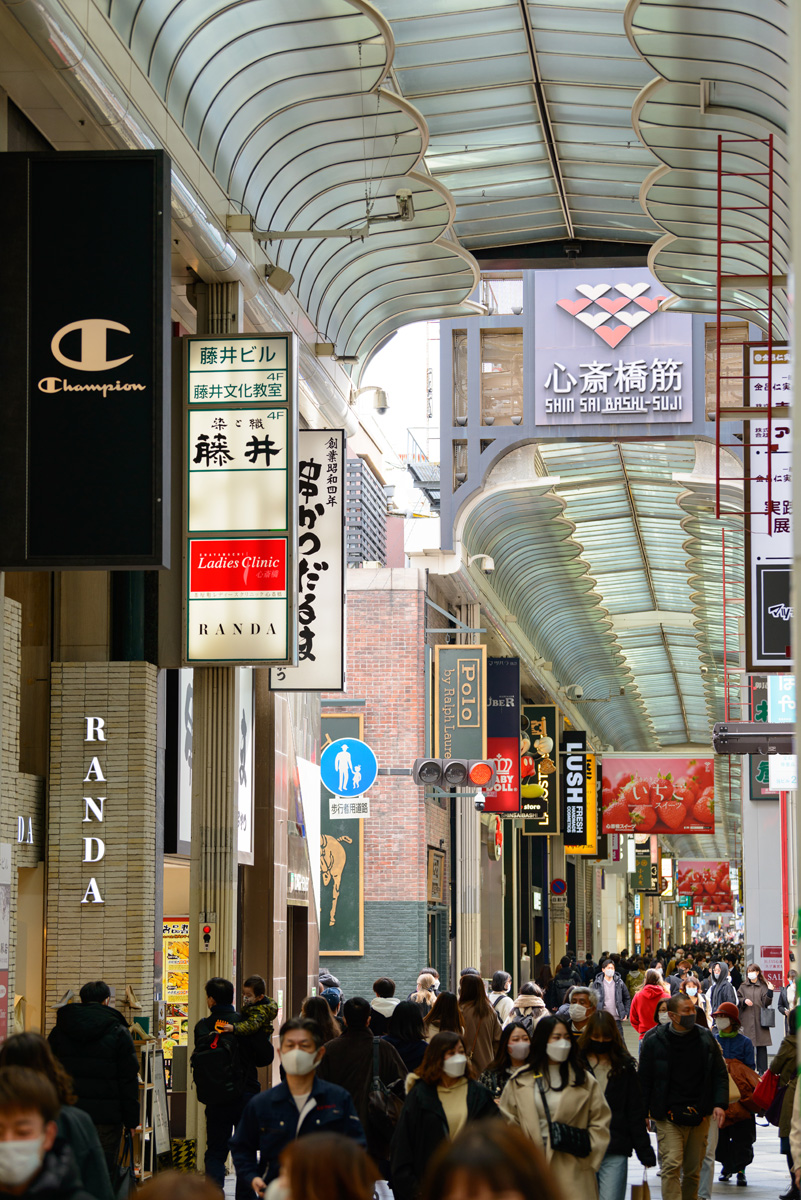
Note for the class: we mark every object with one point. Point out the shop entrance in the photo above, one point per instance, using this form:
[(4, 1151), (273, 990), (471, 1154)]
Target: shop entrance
[(297, 942), (28, 1014)]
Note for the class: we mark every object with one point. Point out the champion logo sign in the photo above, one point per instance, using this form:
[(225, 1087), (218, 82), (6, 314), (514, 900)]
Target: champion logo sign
[(612, 306)]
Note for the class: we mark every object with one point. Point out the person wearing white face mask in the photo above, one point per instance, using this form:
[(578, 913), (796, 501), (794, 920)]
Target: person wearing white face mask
[(442, 1097), (692, 987), (512, 1053), (755, 1000), (301, 1105), (554, 1089), (613, 995), (33, 1163), (581, 1004)]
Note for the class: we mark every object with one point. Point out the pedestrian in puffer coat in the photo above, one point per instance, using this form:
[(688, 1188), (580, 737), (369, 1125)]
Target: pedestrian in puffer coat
[(609, 985), (720, 990)]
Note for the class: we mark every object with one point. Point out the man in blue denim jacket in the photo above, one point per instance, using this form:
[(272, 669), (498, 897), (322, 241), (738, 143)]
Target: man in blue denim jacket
[(302, 1104)]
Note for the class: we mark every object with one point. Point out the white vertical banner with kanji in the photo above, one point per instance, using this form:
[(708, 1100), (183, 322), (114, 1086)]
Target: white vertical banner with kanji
[(321, 566)]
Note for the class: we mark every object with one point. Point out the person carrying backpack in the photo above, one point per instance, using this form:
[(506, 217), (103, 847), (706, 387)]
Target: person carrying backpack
[(221, 1077)]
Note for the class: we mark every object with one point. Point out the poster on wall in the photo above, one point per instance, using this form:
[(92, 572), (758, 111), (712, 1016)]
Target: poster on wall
[(708, 883), (176, 960), (503, 734), (657, 794), (341, 862)]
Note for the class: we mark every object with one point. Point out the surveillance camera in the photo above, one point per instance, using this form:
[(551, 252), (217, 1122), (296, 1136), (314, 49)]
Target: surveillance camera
[(578, 692), (489, 565), (405, 203), (480, 801), (281, 281)]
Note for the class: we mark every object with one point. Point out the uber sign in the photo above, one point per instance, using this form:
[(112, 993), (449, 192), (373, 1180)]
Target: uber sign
[(86, 391)]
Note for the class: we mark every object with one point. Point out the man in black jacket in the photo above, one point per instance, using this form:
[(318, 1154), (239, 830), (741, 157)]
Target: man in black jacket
[(348, 1062), (564, 979), (684, 1083), (92, 1042), (222, 1118)]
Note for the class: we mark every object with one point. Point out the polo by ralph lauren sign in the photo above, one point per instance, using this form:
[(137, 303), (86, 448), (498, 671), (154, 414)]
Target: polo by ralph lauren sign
[(86, 367), (460, 690)]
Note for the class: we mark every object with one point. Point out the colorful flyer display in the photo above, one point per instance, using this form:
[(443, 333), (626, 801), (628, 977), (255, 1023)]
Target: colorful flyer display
[(658, 795), (176, 961)]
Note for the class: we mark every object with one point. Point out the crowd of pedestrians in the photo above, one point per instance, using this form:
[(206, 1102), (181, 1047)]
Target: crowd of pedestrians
[(433, 1096)]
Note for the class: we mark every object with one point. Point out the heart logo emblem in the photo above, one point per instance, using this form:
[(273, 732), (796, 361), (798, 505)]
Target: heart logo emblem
[(612, 306)]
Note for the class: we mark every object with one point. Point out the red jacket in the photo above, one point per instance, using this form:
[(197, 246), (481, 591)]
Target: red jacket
[(643, 1007)]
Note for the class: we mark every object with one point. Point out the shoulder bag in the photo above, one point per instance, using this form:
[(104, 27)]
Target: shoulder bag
[(767, 1018), (566, 1139), (124, 1181), (383, 1105)]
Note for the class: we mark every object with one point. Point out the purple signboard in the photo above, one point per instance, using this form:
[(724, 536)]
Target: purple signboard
[(607, 353)]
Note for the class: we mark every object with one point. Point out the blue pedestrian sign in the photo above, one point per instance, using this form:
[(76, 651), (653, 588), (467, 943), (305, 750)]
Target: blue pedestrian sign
[(348, 768)]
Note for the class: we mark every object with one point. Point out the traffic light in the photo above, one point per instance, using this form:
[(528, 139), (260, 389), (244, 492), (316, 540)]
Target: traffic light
[(454, 772)]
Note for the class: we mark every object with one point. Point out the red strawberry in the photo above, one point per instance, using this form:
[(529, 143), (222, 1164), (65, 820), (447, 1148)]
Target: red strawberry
[(607, 796), (661, 789), (643, 818), (672, 813), (636, 792), (616, 817), (704, 811), (686, 790)]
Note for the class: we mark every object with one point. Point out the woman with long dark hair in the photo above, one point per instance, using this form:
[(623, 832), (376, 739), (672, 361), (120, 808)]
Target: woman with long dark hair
[(482, 1029), (74, 1125), (442, 1097), (406, 1034), (691, 987), (445, 1016), (555, 1087), (316, 1008), (513, 1051), (610, 1062)]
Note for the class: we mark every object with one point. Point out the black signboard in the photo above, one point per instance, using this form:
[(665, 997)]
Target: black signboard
[(574, 786), (773, 611), (542, 812), (84, 305)]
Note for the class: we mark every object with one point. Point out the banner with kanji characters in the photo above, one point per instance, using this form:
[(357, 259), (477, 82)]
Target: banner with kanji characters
[(657, 794)]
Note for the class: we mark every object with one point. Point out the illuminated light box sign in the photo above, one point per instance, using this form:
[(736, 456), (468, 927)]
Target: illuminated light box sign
[(656, 794), (240, 455), (605, 352), (237, 599)]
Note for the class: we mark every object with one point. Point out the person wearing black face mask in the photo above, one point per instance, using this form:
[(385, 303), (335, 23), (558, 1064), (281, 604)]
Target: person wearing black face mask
[(615, 1070), (684, 1084)]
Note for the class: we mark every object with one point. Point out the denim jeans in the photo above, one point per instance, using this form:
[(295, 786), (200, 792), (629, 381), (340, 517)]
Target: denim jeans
[(612, 1175)]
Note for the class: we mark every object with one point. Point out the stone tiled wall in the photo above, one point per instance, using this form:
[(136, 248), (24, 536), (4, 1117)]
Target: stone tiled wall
[(113, 940), (20, 795)]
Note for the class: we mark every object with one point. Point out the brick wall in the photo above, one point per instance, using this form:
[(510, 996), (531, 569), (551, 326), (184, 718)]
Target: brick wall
[(113, 940), (386, 668)]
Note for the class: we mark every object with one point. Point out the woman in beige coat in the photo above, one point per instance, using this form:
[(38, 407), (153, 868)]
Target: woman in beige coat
[(573, 1096), (482, 1028)]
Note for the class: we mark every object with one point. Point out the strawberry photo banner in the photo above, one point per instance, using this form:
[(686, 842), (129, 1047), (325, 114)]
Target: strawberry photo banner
[(708, 883), (656, 794)]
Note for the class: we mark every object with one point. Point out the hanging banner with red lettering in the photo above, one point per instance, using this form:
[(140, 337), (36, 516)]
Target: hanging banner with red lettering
[(503, 734)]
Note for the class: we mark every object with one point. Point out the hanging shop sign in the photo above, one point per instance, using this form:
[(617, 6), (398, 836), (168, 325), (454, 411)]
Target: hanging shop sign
[(781, 699), (783, 772), (244, 782), (652, 794), (590, 844), (321, 566), (769, 513), (574, 787), (341, 859), (606, 353), (503, 734), (86, 361), (539, 789), (460, 698), (759, 771), (707, 882), (241, 500)]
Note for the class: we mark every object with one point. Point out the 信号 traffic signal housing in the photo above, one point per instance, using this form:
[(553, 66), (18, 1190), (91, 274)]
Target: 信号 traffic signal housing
[(454, 772)]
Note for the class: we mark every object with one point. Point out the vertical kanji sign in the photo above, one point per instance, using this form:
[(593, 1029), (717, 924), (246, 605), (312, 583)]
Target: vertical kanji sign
[(321, 566), (241, 503)]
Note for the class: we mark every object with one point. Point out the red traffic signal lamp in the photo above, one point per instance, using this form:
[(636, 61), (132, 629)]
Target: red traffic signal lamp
[(454, 772)]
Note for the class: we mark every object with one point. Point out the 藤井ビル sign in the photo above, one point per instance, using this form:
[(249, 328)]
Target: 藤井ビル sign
[(460, 696), (769, 514), (606, 352), (503, 734), (321, 566), (86, 361), (241, 500)]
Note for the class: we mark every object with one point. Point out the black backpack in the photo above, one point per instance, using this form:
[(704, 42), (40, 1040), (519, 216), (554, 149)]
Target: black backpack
[(217, 1068)]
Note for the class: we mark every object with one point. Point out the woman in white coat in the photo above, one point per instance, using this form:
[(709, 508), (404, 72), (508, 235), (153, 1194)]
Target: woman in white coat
[(573, 1096)]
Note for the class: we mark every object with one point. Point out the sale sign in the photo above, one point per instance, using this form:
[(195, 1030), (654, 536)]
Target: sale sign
[(707, 884), (657, 795)]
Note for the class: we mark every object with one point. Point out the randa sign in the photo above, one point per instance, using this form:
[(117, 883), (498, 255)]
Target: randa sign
[(94, 846)]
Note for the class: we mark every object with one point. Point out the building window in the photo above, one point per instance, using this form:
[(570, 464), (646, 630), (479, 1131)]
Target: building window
[(501, 376), (460, 376), (459, 463)]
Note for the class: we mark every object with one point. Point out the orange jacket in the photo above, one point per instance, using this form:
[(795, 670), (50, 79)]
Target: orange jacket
[(643, 1007)]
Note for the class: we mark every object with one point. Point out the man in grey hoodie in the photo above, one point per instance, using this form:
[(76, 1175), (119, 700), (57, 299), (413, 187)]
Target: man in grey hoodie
[(382, 1006)]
